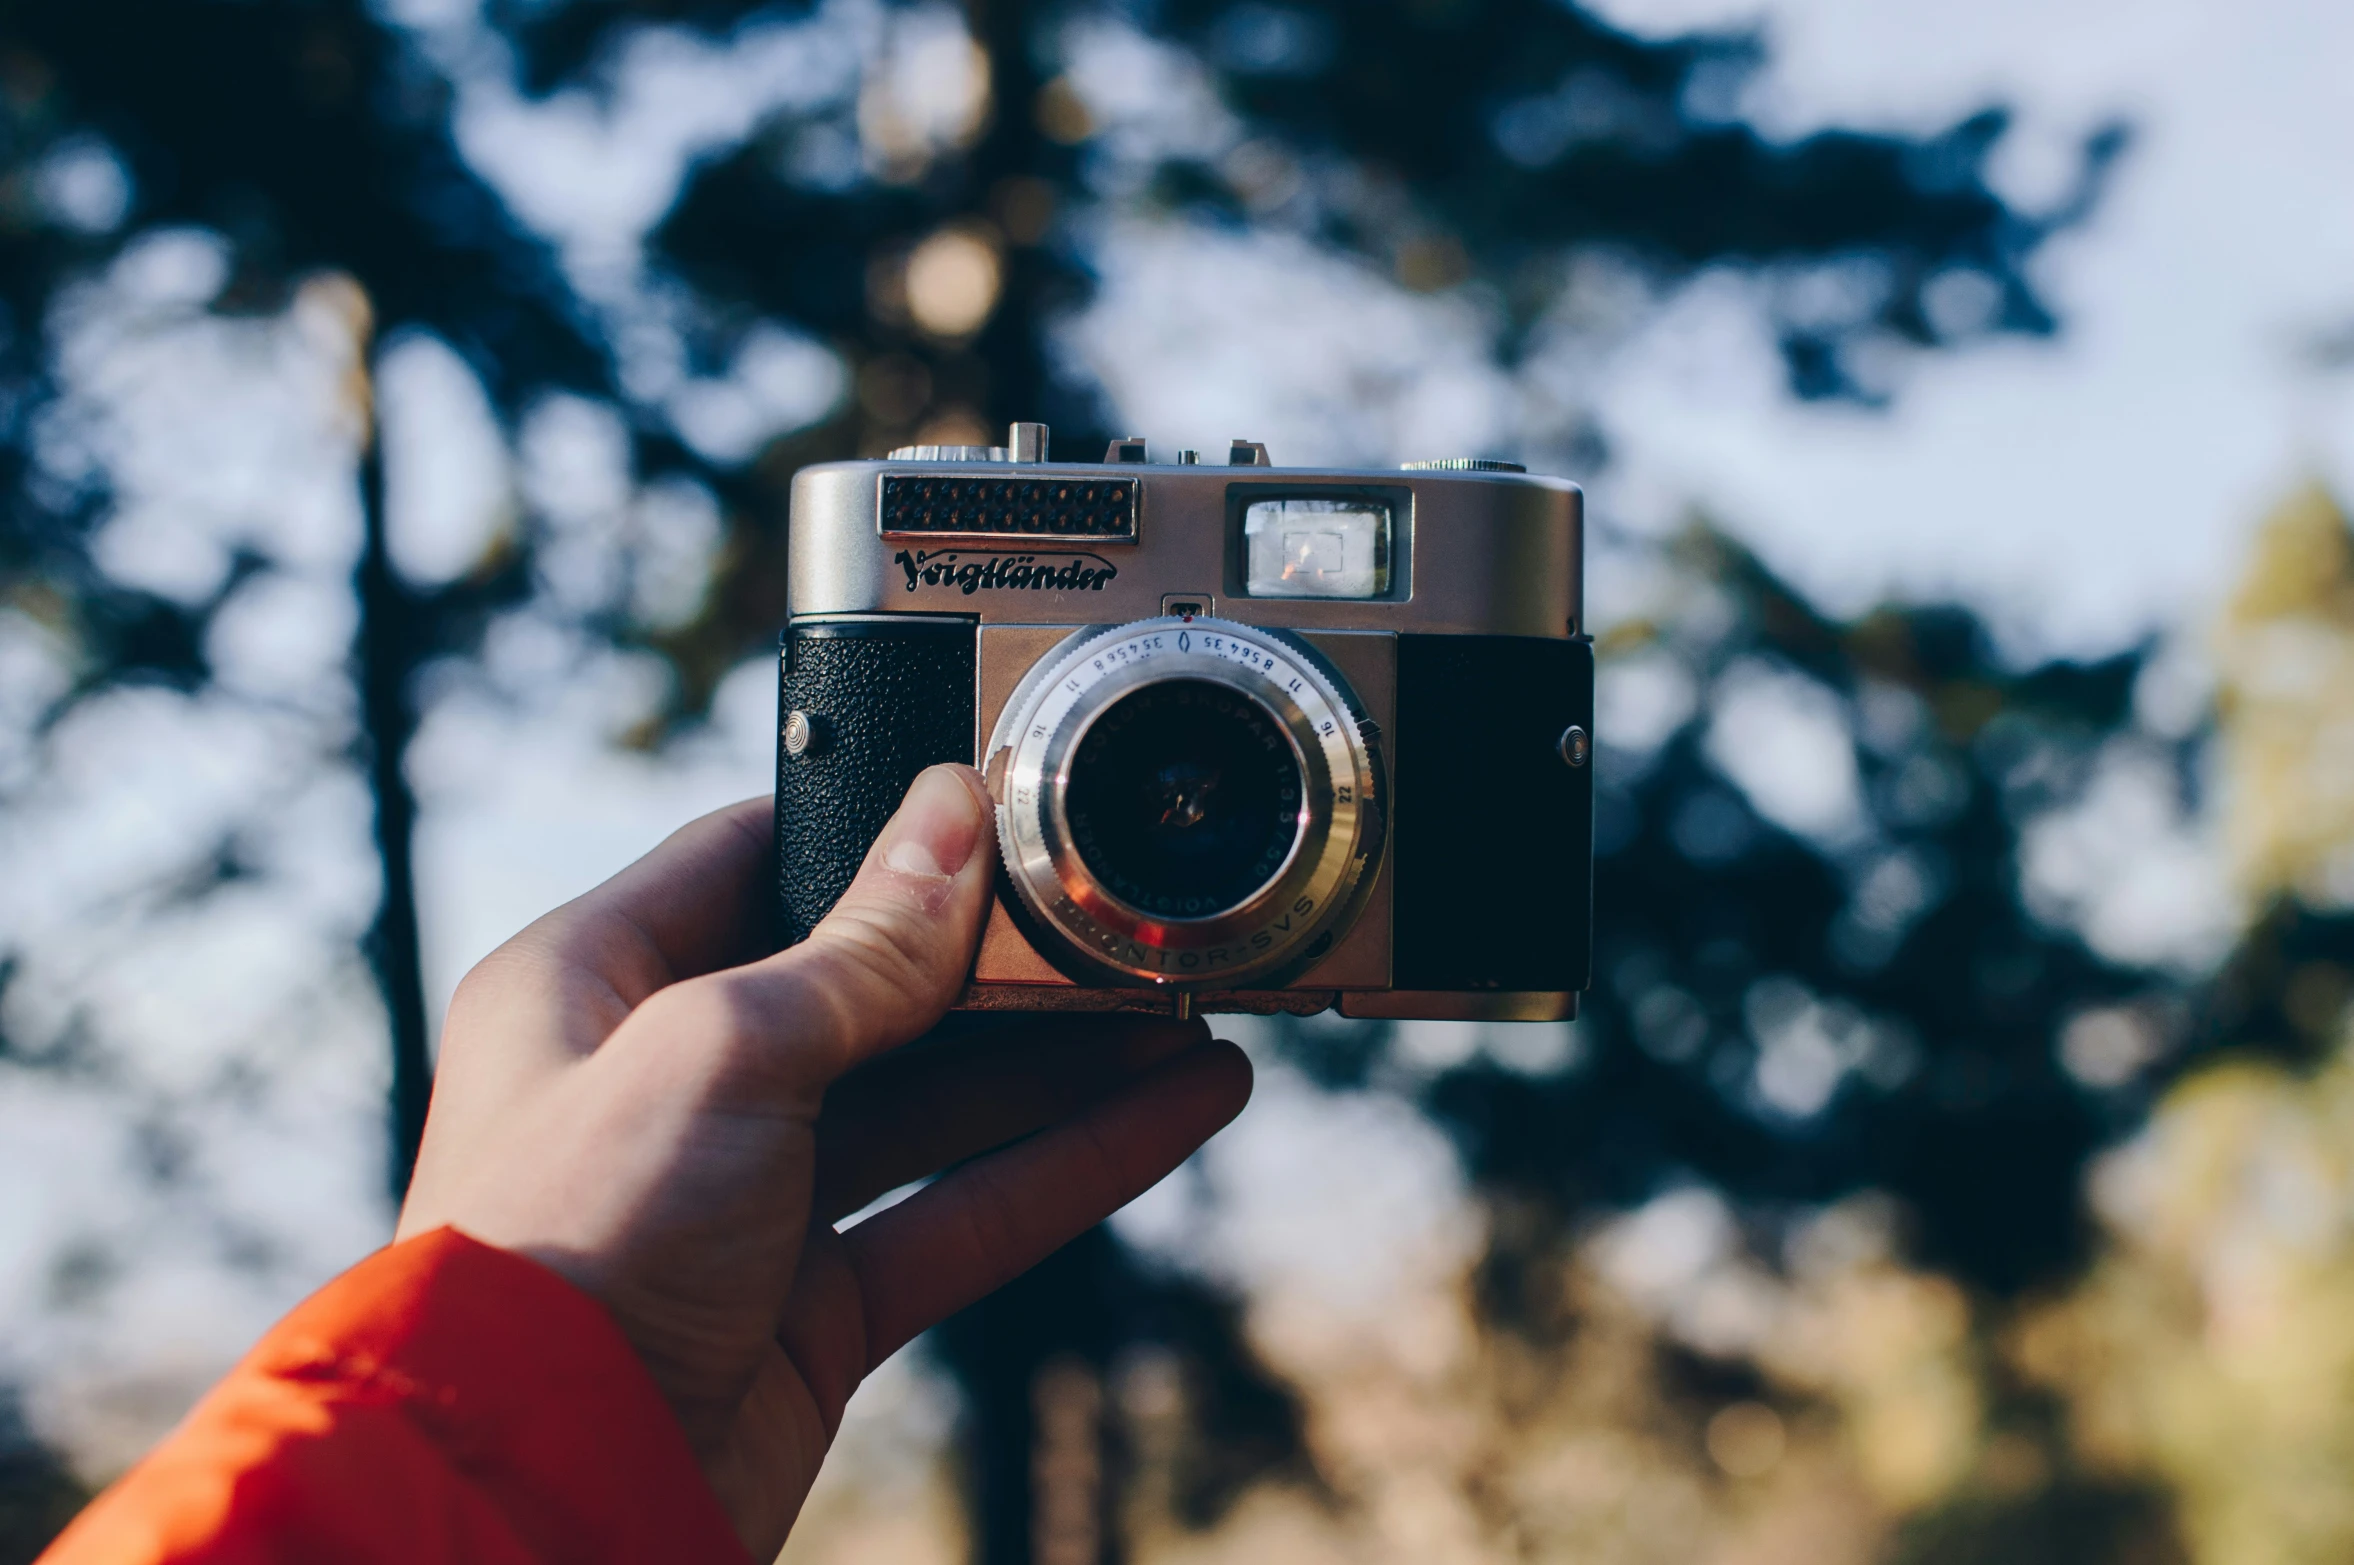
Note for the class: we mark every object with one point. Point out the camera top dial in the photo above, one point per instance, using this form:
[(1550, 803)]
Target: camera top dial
[(1186, 801)]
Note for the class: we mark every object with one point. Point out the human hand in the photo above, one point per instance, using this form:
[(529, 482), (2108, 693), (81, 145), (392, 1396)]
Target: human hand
[(677, 1134)]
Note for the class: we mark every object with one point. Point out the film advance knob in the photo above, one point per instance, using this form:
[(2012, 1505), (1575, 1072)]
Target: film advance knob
[(948, 454)]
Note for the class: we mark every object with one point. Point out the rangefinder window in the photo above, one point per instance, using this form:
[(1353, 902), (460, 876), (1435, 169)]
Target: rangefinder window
[(1103, 509), (1305, 547)]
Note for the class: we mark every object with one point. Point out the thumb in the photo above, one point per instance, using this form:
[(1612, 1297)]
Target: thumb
[(895, 952), (884, 966)]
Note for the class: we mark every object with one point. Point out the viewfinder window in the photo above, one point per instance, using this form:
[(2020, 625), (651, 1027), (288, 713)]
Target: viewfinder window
[(1317, 548)]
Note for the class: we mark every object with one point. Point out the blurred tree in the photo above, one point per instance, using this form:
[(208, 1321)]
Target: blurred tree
[(1822, 973), (2208, 1350), (1855, 994), (306, 135)]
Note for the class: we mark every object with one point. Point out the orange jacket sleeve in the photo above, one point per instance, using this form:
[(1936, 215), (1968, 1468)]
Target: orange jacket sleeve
[(440, 1401)]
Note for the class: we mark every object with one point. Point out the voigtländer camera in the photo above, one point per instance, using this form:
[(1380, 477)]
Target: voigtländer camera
[(1261, 739)]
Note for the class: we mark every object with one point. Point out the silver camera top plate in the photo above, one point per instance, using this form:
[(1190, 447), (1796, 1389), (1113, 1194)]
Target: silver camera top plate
[(1470, 551)]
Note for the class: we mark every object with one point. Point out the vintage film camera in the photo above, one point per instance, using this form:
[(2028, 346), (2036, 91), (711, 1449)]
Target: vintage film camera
[(1261, 739)]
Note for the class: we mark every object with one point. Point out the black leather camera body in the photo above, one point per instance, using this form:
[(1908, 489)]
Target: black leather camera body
[(1260, 739)]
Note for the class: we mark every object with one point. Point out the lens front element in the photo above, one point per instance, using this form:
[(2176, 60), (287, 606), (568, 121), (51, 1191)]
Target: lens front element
[(1185, 801), (1185, 798)]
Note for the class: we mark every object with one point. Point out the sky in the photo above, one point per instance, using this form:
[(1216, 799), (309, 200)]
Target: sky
[(2085, 490)]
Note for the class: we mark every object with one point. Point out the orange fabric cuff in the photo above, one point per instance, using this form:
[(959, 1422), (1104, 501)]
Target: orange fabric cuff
[(442, 1400)]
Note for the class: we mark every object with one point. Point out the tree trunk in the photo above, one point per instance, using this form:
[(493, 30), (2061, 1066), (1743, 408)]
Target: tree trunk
[(1025, 1355), (390, 647)]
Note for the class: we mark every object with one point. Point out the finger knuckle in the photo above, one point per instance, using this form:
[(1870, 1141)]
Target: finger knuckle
[(480, 986), (514, 969), (885, 948)]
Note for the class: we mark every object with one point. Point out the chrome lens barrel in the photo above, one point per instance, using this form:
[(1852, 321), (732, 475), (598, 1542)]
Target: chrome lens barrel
[(1186, 802)]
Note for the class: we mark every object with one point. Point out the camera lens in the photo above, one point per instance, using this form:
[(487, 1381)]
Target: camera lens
[(1184, 798), (1185, 801)]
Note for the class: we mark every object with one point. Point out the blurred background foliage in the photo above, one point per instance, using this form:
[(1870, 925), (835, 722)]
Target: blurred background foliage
[(1908, 1190)]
